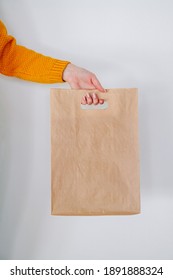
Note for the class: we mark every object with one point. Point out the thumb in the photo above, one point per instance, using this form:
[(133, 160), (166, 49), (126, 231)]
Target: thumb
[(97, 84)]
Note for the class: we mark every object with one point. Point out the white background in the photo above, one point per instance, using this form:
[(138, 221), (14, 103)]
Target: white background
[(127, 43)]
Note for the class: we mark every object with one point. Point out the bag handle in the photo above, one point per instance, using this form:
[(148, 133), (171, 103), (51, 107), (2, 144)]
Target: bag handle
[(95, 107)]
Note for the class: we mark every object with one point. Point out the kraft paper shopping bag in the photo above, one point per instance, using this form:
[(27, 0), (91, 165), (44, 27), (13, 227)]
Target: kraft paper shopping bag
[(94, 153)]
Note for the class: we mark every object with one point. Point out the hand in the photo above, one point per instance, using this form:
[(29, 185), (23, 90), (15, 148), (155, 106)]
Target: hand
[(88, 99), (79, 78)]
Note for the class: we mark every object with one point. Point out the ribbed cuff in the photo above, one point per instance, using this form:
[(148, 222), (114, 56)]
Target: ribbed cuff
[(57, 70)]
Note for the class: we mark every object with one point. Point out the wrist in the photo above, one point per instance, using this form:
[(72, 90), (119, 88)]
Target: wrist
[(67, 72)]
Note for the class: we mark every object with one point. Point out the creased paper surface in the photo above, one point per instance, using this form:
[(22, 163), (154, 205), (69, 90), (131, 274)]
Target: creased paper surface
[(94, 154)]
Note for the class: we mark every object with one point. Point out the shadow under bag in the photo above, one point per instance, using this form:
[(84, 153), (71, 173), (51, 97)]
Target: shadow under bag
[(94, 153)]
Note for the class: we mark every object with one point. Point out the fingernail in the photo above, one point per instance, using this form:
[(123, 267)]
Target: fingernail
[(88, 95)]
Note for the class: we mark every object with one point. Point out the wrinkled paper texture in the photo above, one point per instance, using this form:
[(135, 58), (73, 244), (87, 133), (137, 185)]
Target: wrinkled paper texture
[(94, 154)]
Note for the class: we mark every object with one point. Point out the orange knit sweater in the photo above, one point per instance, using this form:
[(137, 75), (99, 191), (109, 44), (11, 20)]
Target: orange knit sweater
[(26, 64)]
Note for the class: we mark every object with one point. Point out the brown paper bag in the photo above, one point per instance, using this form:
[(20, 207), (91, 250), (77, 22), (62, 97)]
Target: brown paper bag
[(94, 154)]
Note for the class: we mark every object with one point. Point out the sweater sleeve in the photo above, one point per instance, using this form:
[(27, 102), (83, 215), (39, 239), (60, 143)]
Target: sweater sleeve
[(27, 64)]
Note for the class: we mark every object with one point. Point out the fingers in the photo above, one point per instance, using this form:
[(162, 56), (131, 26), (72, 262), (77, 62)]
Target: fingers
[(84, 100), (88, 99), (101, 101), (97, 84), (95, 99)]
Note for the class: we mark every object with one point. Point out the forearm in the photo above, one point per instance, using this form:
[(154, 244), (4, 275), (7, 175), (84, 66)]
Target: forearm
[(27, 64)]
